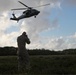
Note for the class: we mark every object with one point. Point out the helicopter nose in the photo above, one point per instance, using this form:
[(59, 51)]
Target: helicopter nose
[(37, 12)]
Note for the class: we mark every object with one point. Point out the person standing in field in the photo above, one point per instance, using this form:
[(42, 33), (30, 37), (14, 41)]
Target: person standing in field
[(23, 56)]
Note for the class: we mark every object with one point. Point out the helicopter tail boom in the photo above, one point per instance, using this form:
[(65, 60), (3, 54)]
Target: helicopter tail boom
[(14, 18)]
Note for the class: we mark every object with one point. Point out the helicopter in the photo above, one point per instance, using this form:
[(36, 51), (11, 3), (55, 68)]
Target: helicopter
[(29, 12)]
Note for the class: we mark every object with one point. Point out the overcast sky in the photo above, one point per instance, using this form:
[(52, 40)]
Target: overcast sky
[(54, 28)]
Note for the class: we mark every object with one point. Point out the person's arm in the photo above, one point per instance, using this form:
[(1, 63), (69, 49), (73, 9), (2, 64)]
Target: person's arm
[(27, 40)]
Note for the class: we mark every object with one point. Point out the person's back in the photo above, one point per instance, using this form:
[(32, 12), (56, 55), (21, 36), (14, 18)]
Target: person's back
[(22, 40), (23, 56)]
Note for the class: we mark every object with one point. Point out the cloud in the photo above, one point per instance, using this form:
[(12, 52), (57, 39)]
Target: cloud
[(32, 26), (56, 43), (42, 23), (8, 39), (6, 5), (69, 2)]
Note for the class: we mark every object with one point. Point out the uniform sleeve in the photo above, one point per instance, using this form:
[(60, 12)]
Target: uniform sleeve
[(27, 40)]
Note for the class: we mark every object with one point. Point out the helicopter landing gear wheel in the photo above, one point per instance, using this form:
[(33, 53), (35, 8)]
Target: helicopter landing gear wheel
[(35, 16)]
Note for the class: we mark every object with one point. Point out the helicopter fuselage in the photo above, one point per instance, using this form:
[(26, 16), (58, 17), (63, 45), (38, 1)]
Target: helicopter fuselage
[(29, 13), (26, 14)]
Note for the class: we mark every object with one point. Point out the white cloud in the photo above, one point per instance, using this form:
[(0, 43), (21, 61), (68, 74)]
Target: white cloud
[(57, 43), (4, 22), (8, 39)]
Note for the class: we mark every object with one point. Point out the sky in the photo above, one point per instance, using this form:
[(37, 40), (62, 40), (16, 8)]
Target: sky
[(54, 28)]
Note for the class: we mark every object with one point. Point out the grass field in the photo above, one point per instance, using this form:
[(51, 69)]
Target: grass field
[(41, 65)]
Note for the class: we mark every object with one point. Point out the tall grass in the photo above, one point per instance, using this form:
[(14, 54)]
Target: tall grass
[(41, 65)]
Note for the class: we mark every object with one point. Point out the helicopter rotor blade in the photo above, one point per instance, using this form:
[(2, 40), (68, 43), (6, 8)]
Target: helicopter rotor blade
[(29, 7), (19, 9), (23, 4), (42, 5)]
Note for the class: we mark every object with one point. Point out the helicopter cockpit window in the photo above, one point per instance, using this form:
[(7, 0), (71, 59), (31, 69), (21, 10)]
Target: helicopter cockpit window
[(24, 12), (28, 12)]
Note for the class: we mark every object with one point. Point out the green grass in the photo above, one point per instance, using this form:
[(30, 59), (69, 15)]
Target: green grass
[(8, 65), (41, 65)]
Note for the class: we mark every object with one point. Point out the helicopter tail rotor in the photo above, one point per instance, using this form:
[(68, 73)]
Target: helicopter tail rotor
[(13, 14)]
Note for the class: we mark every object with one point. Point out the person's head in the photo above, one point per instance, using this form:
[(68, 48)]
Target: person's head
[(24, 33)]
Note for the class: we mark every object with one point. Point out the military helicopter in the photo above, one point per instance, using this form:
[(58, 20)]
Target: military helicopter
[(29, 12)]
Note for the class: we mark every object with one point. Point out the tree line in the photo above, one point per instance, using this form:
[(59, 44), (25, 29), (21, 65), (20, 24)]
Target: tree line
[(7, 51)]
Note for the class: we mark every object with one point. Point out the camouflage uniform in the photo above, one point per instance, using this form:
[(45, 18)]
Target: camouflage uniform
[(23, 56)]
